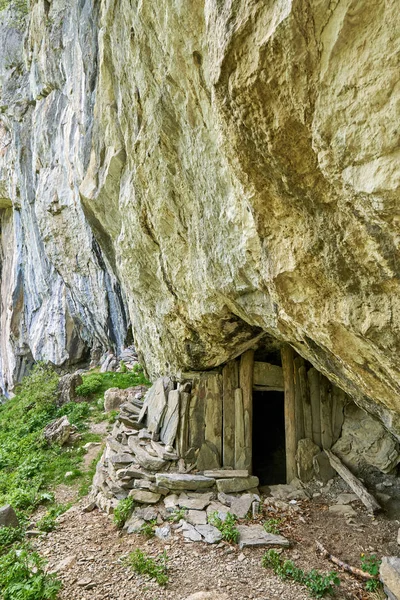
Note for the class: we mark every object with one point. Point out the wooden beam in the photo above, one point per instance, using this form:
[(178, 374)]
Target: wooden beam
[(267, 376), (240, 447), (230, 382), (313, 386), (355, 484), (338, 403), (326, 412), (306, 402), (287, 354), (246, 370), (299, 412)]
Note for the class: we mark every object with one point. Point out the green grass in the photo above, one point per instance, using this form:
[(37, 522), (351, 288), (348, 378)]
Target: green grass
[(95, 384), (319, 584), (145, 565), (272, 526), (123, 511)]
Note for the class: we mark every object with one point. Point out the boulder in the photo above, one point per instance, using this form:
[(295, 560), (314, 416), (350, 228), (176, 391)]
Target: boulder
[(190, 533), (181, 481), (211, 534), (390, 576), (66, 391), (8, 518), (322, 468), (241, 505), (237, 484), (59, 431), (113, 398), (197, 517)]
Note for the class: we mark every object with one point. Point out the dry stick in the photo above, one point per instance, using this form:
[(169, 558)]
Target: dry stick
[(343, 565), (358, 488)]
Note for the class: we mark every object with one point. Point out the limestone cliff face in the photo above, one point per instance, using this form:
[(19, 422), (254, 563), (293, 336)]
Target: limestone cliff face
[(232, 164)]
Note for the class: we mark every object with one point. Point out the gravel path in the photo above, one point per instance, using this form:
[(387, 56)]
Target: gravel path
[(90, 542)]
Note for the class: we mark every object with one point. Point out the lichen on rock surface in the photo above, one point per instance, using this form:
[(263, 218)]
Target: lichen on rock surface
[(231, 167)]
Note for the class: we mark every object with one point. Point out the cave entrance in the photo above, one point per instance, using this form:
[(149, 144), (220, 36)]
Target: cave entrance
[(268, 447)]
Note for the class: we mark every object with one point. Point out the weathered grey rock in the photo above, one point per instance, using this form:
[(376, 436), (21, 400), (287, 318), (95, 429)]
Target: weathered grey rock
[(67, 385), (346, 498), (211, 534), (171, 418), (237, 484), (220, 509), (196, 517), (322, 467), (343, 510), (240, 506), (113, 398), (119, 461), (292, 491), (146, 460), (365, 441), (147, 513), (179, 481), (190, 533), (59, 431), (390, 575), (163, 533), (155, 404), (144, 496), (255, 535), (196, 502), (306, 450), (144, 484), (171, 501), (134, 524), (8, 518)]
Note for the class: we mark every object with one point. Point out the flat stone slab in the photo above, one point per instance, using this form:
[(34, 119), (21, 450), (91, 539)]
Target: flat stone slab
[(197, 517), (390, 575), (211, 534), (255, 535), (171, 501), (178, 481), (226, 473), (342, 509), (346, 498), (237, 484), (220, 509), (163, 533), (134, 524), (147, 513), (198, 502)]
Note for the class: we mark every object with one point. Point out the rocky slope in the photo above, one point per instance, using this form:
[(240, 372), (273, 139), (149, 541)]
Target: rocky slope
[(231, 166)]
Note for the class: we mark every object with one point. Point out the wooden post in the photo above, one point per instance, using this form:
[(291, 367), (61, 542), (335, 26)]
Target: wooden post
[(287, 355), (313, 386), (299, 413), (246, 385), (230, 382), (306, 402), (338, 402), (326, 412), (240, 446)]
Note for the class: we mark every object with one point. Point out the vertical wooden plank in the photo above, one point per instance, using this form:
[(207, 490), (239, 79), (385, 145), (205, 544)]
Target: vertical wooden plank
[(299, 413), (230, 382), (213, 413), (287, 355), (313, 386), (240, 453), (326, 412), (246, 385), (196, 414), (183, 427), (338, 402), (306, 403)]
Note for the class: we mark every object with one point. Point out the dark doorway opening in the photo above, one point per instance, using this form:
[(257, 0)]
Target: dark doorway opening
[(269, 456)]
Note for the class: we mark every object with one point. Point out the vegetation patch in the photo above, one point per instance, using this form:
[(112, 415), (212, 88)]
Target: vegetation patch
[(319, 584), (95, 384), (227, 527), (371, 565), (273, 526), (156, 568), (123, 511)]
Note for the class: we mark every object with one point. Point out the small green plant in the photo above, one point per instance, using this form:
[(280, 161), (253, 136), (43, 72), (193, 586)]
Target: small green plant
[(123, 511), (177, 515), (227, 527), (112, 416), (147, 529), (10, 535), (371, 565), (319, 584), (91, 384), (48, 521), (23, 576), (273, 526), (122, 367), (77, 413), (156, 568)]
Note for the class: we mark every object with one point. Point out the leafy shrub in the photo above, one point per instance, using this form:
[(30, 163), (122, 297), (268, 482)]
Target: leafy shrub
[(95, 384), (272, 526), (22, 576), (227, 528), (319, 584), (40, 386), (123, 511), (145, 565), (147, 529), (77, 412), (10, 535), (91, 384), (371, 564)]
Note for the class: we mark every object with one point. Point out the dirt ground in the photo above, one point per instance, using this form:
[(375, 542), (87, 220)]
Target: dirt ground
[(96, 550)]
